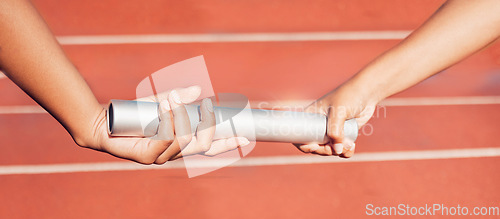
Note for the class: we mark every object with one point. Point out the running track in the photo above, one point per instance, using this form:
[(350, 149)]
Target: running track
[(435, 143)]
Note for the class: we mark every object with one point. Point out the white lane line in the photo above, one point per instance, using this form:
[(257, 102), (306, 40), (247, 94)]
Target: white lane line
[(254, 161), (401, 101), (29, 109), (440, 101), (296, 104), (232, 37)]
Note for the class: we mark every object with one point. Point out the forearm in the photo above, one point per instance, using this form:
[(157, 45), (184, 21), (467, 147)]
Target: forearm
[(458, 29), (31, 57)]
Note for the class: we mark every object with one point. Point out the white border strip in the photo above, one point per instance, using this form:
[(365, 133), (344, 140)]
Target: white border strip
[(254, 161), (21, 109), (395, 101), (441, 101), (410, 101), (232, 37)]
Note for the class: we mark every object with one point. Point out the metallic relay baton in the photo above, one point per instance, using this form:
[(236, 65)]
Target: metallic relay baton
[(136, 118)]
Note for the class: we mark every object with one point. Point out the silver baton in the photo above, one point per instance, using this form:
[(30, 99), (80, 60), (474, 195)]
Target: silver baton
[(141, 119)]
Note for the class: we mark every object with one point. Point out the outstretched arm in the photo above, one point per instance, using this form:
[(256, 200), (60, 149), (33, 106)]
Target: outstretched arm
[(458, 29), (32, 58)]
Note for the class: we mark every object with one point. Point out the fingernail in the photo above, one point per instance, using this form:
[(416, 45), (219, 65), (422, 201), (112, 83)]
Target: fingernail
[(353, 146), (338, 148), (165, 106), (175, 97), (348, 145), (242, 141), (315, 148), (208, 105)]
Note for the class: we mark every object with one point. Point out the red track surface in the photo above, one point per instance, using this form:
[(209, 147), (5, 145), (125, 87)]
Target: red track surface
[(261, 71)]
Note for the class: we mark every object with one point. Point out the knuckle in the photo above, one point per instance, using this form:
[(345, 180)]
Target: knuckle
[(204, 147), (166, 136), (334, 135), (347, 155), (184, 139), (161, 161), (146, 160), (210, 154), (325, 153), (306, 150)]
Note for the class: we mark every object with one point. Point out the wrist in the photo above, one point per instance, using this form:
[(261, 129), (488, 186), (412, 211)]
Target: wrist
[(88, 134), (367, 89), (382, 78)]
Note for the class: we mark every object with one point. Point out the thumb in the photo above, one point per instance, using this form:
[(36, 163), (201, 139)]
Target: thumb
[(189, 94), (335, 129)]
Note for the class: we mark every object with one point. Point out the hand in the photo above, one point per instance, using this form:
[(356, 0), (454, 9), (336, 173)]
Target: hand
[(346, 102), (165, 145)]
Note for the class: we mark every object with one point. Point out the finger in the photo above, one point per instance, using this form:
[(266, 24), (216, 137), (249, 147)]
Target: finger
[(335, 128), (308, 148), (206, 128), (166, 127), (338, 148), (141, 150), (182, 125), (223, 145), (187, 95), (188, 150), (182, 128), (205, 131), (365, 115), (344, 147), (165, 133), (350, 152), (324, 150)]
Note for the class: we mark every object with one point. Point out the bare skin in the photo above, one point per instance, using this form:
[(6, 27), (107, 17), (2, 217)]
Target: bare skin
[(32, 58), (455, 31)]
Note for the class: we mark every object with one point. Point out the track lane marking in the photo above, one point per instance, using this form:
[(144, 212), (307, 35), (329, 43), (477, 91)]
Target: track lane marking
[(232, 37), (253, 161), (395, 101), (408, 101)]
